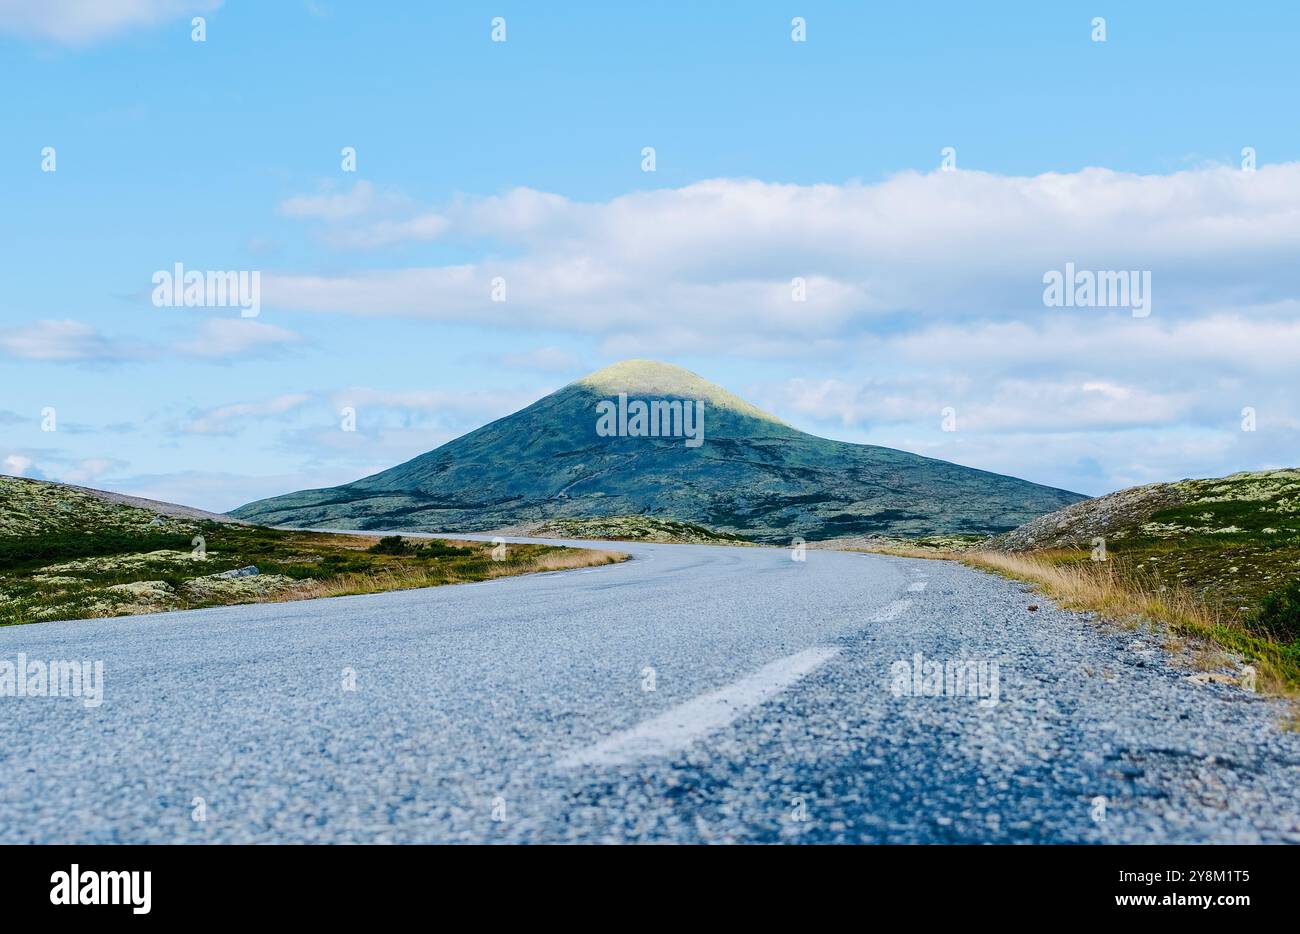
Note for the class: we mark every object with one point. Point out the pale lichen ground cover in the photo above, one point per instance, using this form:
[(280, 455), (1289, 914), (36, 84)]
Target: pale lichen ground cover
[(68, 553)]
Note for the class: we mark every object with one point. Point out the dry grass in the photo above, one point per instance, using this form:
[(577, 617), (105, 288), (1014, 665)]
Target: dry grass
[(1101, 588), (566, 560), (893, 549), (412, 576), (908, 551)]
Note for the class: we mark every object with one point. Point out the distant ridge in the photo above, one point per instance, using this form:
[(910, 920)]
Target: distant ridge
[(753, 476)]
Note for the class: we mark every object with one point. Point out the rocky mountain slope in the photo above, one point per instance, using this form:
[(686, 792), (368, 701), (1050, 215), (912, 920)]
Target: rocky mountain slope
[(1265, 503), (1233, 541), (751, 475)]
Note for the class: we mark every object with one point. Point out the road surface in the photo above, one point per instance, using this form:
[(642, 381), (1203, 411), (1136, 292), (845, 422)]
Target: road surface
[(693, 694)]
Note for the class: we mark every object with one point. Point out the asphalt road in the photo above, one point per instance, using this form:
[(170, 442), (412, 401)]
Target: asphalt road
[(693, 694)]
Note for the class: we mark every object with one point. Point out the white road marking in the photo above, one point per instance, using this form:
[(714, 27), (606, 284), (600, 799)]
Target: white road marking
[(916, 586), (891, 612), (678, 728)]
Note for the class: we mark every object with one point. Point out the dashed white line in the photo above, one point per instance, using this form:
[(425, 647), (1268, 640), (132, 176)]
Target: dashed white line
[(891, 611), (916, 586), (678, 728)]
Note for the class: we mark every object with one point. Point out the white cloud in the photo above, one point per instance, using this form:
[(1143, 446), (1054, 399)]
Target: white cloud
[(89, 469), (343, 211), (474, 404), (63, 341), (386, 232), (236, 337), (71, 341), (228, 418), (716, 258), (1262, 340), (923, 291), (1009, 404), (222, 491), (330, 205), (19, 465), (77, 22)]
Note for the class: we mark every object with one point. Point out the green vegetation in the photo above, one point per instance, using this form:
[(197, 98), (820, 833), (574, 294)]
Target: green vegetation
[(1218, 559), (1279, 614), (754, 478), (433, 548), (920, 546), (1230, 541), (636, 529), (32, 551), (95, 558)]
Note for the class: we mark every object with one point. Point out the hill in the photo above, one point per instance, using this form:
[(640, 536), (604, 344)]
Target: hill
[(68, 552), (748, 474), (1233, 540)]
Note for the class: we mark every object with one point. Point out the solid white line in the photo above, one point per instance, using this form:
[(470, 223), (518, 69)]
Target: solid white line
[(916, 586), (891, 612), (676, 729)]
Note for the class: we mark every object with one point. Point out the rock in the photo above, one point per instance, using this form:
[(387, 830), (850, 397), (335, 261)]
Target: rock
[(239, 572), (1212, 678)]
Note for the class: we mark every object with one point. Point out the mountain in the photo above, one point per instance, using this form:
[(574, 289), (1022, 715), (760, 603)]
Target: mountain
[(749, 473)]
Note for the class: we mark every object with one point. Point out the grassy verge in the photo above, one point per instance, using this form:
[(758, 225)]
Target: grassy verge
[(944, 547), (521, 559), (79, 574), (636, 529), (1120, 592)]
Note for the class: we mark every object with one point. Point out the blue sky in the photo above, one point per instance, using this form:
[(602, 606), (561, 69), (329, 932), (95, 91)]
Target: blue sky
[(523, 159)]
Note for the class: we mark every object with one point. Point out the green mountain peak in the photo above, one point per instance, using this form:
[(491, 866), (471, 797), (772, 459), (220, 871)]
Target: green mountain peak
[(749, 475)]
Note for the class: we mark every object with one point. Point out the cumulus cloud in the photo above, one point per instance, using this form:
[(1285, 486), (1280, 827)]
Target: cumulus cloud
[(1266, 339), (718, 258), (1011, 404), (79, 22)]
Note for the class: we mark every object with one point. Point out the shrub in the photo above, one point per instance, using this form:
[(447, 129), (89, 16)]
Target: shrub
[(390, 545), (62, 546), (437, 549), (1279, 614)]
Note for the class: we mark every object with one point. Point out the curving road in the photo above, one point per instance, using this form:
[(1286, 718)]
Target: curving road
[(695, 693)]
